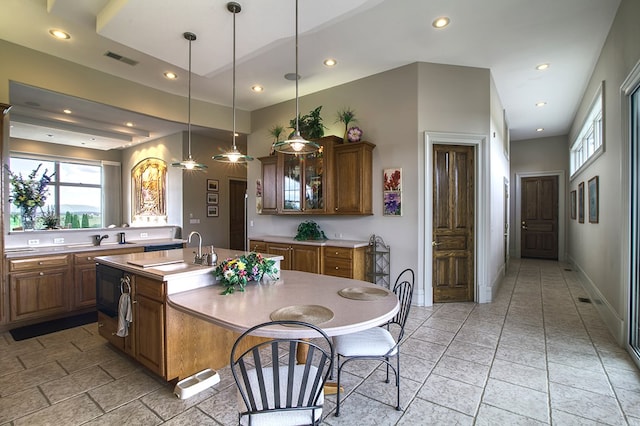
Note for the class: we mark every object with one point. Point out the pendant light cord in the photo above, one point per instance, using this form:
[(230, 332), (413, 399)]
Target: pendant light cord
[(189, 94), (234, 81), (297, 76)]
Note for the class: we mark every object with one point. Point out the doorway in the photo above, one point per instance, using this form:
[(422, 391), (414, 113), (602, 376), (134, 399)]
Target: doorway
[(539, 217), (453, 223), (237, 214)]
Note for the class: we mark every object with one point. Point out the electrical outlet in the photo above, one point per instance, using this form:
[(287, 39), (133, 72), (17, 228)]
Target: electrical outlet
[(194, 221), (33, 242), (58, 241), (143, 235)]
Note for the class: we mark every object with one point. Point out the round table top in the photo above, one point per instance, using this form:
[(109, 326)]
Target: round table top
[(295, 291)]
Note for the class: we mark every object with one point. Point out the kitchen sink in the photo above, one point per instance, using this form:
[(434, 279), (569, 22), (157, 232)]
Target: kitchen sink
[(173, 267)]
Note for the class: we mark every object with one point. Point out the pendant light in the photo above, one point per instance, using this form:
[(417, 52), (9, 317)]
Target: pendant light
[(189, 163), (296, 144), (233, 156)]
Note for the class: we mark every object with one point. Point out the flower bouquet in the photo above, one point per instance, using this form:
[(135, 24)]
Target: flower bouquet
[(236, 272), (29, 193)]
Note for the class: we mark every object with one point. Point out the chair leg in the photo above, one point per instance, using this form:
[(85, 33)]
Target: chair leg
[(398, 380), (387, 363), (338, 388)]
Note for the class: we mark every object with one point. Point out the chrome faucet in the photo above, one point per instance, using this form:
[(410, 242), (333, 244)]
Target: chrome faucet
[(97, 239), (198, 256)]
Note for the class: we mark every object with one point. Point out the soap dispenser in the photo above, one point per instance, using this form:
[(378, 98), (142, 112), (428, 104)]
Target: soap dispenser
[(213, 257)]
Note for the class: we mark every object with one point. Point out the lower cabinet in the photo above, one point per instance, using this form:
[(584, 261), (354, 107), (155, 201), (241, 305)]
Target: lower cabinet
[(345, 262), (38, 287), (84, 276), (297, 257), (169, 343)]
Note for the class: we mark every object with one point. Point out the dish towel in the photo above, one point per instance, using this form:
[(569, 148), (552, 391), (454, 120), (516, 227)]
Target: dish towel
[(124, 315)]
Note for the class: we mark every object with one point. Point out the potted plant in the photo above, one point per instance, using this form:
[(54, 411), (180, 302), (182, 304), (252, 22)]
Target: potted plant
[(49, 218), (310, 125), (309, 230), (276, 132), (345, 116)]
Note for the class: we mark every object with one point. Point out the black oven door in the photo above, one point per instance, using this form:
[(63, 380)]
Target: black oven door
[(109, 287)]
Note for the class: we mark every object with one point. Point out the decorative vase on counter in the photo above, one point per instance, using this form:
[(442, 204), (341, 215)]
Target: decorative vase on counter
[(28, 216)]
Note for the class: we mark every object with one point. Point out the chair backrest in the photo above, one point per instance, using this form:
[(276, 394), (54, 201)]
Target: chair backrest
[(403, 289), (270, 379)]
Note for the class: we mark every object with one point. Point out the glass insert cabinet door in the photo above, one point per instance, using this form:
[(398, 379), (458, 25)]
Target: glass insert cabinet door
[(303, 184)]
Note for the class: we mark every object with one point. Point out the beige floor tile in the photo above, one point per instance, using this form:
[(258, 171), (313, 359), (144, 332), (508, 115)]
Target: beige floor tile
[(360, 410), (471, 352), (124, 390), (422, 411), (164, 403), (582, 403), (74, 384), (17, 382), (452, 394), (519, 374), (20, 404), (133, 413), (589, 380), (462, 370), (491, 416), (193, 416), (75, 411), (223, 406), (519, 355), (517, 399)]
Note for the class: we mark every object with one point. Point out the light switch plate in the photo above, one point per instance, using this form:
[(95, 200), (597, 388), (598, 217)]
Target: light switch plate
[(143, 235), (58, 241), (33, 242)]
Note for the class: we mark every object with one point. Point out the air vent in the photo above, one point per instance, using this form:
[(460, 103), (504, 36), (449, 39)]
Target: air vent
[(584, 300), (121, 58)]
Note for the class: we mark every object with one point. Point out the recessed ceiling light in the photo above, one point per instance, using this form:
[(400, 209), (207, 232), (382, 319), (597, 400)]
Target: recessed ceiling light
[(59, 34), (330, 62), (257, 88), (170, 75), (542, 67), (66, 111), (441, 22), (128, 124), (540, 104), (540, 129)]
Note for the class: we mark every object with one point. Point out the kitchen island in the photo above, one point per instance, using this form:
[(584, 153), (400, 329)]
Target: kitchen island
[(170, 343), (183, 324)]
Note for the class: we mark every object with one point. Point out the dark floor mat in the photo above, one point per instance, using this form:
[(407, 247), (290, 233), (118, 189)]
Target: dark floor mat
[(47, 327)]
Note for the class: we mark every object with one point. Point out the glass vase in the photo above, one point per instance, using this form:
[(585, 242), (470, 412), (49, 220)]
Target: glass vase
[(28, 216)]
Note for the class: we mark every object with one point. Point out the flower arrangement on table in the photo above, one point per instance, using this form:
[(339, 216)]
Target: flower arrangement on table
[(238, 271), (29, 193)]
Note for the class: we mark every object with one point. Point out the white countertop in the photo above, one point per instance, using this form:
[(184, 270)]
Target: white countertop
[(291, 240), (20, 252), (241, 310)]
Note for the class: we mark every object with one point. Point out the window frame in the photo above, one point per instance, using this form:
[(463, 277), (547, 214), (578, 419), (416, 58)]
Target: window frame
[(589, 144), (56, 184)]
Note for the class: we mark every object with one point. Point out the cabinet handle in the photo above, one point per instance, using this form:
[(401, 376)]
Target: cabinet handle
[(41, 273), (88, 257), (336, 252), (336, 209), (100, 324), (41, 263), (337, 267)]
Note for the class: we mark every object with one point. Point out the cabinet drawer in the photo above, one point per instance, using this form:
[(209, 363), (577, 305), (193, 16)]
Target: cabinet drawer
[(338, 252), (257, 246), (150, 288), (38, 263), (338, 267)]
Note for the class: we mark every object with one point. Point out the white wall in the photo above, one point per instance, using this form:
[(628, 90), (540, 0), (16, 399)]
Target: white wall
[(395, 109), (597, 250)]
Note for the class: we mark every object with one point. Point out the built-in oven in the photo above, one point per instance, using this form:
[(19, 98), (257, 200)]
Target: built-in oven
[(160, 247), (111, 283)]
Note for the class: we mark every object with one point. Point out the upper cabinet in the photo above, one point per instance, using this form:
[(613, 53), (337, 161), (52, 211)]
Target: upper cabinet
[(334, 180)]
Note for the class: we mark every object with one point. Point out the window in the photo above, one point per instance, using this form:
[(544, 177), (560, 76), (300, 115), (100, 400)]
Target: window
[(590, 141), (75, 192)]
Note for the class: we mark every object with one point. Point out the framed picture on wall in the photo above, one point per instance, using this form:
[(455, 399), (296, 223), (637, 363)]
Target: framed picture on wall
[(213, 184), (593, 200), (573, 204), (212, 211), (581, 202), (212, 198)]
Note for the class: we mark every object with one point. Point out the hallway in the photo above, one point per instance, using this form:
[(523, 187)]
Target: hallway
[(536, 355)]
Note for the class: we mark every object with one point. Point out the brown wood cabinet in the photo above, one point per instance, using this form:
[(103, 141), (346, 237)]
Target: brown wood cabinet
[(269, 182), (149, 324), (38, 287), (257, 246), (345, 262), (353, 176), (335, 180), (84, 275), (297, 257)]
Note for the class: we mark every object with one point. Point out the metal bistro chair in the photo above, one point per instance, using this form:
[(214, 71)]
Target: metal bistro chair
[(378, 343), (293, 396)]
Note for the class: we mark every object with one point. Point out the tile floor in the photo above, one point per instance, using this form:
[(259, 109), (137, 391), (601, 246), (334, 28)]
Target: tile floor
[(536, 355)]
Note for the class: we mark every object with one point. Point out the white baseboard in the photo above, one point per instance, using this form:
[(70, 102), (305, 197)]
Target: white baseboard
[(612, 320)]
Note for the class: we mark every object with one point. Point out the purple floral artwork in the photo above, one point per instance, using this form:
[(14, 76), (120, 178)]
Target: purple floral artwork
[(392, 203)]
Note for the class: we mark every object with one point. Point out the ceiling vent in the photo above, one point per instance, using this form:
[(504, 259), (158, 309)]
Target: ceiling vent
[(121, 58)]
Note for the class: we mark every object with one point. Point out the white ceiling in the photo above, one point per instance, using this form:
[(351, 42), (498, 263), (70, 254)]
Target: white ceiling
[(510, 37)]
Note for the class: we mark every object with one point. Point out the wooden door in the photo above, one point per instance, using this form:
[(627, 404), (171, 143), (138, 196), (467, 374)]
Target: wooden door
[(38, 294), (539, 217), (306, 259), (283, 250), (269, 189), (453, 223), (237, 214)]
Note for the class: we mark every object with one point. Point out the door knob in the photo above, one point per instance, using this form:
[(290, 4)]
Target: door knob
[(434, 244)]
